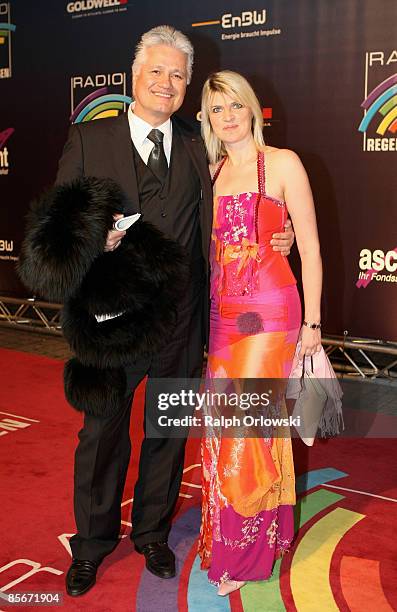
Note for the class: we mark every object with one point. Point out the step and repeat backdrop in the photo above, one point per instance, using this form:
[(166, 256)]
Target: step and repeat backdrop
[(325, 73)]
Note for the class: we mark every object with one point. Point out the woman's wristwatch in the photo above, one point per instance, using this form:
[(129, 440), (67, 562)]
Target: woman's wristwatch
[(312, 325)]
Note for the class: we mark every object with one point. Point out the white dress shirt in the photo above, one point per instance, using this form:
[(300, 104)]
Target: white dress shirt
[(140, 129)]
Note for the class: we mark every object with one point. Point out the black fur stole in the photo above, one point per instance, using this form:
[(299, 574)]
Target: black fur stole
[(138, 284)]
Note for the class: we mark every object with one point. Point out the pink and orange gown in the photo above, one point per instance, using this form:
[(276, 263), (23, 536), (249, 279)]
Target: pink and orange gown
[(248, 483)]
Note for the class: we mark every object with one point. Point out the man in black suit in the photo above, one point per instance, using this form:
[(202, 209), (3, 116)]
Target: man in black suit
[(160, 164)]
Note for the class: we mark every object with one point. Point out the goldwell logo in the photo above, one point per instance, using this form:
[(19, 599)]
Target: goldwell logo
[(246, 19), (377, 265), (96, 7)]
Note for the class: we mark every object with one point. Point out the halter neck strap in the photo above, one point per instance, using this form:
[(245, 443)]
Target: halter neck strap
[(218, 169), (261, 173)]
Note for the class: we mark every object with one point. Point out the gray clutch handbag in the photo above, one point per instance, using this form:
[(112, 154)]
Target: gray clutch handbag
[(318, 397)]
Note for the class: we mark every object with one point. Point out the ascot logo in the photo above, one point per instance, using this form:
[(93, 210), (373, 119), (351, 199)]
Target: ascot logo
[(379, 124), (4, 158), (98, 96), (86, 7), (6, 30), (377, 265)]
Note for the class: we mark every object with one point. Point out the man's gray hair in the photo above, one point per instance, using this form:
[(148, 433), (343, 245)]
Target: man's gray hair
[(164, 35)]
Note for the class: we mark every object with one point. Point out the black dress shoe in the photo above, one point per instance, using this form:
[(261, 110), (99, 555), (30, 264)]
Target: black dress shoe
[(80, 577), (160, 560)]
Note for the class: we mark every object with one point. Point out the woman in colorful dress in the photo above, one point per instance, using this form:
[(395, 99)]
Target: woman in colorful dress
[(248, 483)]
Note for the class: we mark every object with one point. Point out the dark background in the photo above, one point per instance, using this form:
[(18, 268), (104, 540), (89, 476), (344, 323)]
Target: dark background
[(312, 76)]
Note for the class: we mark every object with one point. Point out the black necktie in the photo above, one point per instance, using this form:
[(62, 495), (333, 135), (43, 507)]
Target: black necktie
[(157, 161)]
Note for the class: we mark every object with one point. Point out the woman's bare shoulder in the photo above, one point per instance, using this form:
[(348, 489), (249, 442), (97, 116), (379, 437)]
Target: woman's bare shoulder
[(284, 157), (280, 153)]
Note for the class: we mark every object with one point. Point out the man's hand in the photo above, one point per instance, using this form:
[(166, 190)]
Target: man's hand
[(114, 237), (283, 242)]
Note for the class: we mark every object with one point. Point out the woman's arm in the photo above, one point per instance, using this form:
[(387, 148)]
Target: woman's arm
[(299, 199)]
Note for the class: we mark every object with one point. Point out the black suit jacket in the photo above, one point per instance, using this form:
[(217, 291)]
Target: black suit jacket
[(102, 148)]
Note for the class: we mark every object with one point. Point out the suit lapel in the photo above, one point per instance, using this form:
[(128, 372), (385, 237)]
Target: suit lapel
[(121, 156), (120, 152)]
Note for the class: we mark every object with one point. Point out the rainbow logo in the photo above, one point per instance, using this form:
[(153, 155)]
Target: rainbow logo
[(327, 565), (98, 105), (5, 30), (382, 99)]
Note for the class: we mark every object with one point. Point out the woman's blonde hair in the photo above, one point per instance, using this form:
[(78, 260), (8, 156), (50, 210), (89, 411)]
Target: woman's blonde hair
[(236, 86)]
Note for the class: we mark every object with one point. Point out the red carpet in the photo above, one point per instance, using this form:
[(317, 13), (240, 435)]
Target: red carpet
[(345, 548)]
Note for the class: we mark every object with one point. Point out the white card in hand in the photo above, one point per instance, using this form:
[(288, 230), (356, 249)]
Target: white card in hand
[(106, 317), (121, 225)]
